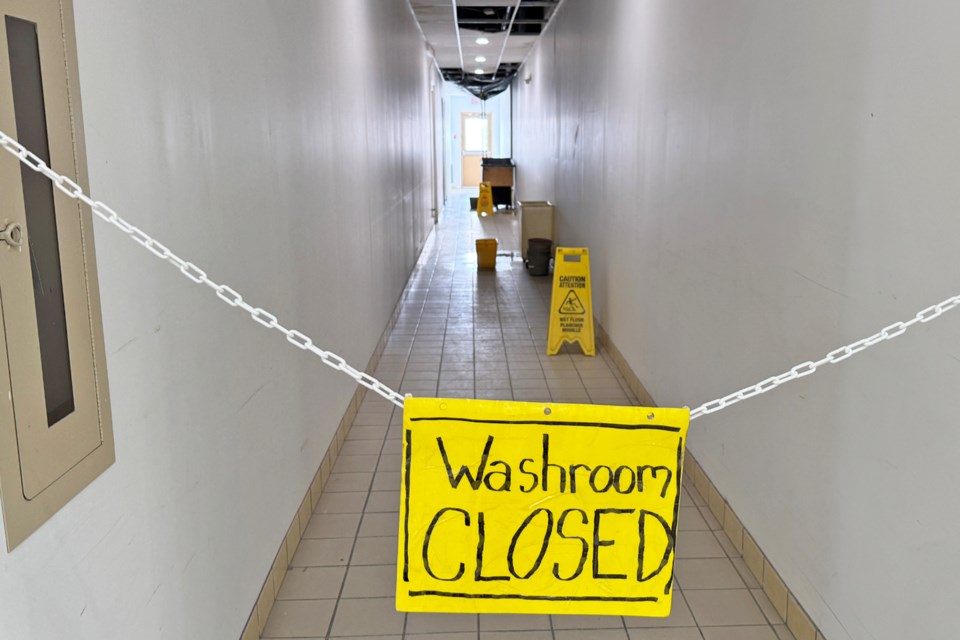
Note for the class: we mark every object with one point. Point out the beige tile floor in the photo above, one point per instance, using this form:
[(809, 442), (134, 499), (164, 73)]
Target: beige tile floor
[(483, 335)]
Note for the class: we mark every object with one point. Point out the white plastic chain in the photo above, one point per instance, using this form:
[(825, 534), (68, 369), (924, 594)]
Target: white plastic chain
[(837, 355), (195, 273), (301, 341)]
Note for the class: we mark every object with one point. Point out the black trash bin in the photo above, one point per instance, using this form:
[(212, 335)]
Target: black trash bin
[(539, 251)]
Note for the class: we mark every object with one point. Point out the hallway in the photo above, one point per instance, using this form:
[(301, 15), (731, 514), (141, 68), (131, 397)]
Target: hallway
[(220, 220), (464, 333)]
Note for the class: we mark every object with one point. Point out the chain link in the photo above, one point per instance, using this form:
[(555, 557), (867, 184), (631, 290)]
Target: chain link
[(193, 272), (837, 355), (302, 341)]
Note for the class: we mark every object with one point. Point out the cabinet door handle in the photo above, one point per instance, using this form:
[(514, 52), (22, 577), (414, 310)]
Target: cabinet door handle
[(12, 234)]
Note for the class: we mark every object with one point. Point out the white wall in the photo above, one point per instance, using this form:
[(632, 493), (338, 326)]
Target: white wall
[(284, 147), (759, 183)]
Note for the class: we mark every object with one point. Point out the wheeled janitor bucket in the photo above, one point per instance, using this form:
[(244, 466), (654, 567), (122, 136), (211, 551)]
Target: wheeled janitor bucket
[(539, 251)]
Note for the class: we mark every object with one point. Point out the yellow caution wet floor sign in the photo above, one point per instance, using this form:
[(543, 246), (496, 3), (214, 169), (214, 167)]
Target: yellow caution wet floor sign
[(522, 507), (485, 201), (571, 310)]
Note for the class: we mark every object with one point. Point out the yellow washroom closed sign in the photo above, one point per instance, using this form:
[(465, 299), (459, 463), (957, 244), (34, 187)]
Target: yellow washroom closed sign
[(516, 507), (571, 306)]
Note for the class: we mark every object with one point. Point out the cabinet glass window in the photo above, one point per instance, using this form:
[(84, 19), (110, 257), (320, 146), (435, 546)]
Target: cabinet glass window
[(41, 223)]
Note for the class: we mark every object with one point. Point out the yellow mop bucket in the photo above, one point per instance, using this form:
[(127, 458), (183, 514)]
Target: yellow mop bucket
[(487, 253)]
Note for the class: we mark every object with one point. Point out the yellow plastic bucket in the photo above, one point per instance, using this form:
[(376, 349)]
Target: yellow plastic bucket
[(487, 253)]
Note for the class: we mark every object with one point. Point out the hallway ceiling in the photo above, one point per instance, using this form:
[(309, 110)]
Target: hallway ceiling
[(443, 20)]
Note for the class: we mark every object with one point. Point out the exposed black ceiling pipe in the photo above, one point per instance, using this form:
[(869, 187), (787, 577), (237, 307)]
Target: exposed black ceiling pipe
[(527, 18), (483, 86)]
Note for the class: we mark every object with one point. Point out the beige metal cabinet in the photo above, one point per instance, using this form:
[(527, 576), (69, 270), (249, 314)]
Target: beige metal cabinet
[(55, 427), (536, 221)]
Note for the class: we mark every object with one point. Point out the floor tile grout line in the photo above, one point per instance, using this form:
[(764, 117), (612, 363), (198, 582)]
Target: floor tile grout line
[(473, 317), (679, 592), (623, 622), (503, 340), (543, 373), (439, 366), (353, 547), (621, 382), (433, 274), (446, 326)]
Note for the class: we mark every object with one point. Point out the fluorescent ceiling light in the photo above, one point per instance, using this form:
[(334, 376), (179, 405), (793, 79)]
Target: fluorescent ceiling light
[(478, 70), (482, 40), (480, 59)]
